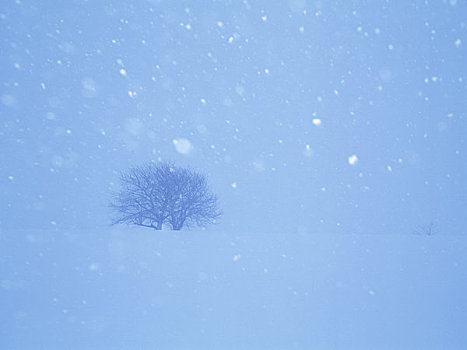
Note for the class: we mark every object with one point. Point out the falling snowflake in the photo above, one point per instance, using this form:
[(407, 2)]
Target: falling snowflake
[(316, 121), (353, 159), (182, 145)]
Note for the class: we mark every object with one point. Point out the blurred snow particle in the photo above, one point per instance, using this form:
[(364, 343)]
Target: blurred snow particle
[(264, 18), (316, 121), (54, 102), (308, 152), (391, 47), (236, 257), (230, 40), (57, 160), (132, 94), (5, 284), (220, 24), (389, 168), (259, 166), (301, 29), (385, 74), (67, 47), (11, 178), (442, 126), (133, 126), (458, 43), (266, 71), (228, 102), (50, 116), (53, 223), (297, 5), (240, 90), (123, 72), (93, 267), (182, 145), (203, 101), (89, 87), (427, 80), (8, 100), (353, 159), (202, 129), (234, 185)]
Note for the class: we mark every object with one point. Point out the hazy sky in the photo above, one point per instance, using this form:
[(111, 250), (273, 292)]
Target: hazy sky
[(310, 116)]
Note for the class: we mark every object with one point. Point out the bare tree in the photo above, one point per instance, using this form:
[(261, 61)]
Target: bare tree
[(157, 194), (427, 230), (193, 203)]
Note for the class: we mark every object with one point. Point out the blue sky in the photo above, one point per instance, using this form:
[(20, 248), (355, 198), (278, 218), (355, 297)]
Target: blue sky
[(271, 99)]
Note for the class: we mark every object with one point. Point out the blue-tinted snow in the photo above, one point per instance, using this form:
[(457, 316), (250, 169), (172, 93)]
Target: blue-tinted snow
[(332, 131), (136, 289)]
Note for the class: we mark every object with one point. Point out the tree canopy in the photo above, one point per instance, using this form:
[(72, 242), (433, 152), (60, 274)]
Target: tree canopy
[(155, 194)]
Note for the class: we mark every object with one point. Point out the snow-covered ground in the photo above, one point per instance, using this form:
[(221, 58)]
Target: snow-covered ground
[(126, 288)]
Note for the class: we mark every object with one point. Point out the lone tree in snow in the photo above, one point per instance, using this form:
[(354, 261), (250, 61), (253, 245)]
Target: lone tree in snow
[(155, 194)]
